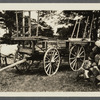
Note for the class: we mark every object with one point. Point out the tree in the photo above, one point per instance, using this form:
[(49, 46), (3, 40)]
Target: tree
[(9, 20), (51, 19)]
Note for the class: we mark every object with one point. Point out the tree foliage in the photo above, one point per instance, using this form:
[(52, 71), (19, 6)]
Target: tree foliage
[(9, 20), (51, 19)]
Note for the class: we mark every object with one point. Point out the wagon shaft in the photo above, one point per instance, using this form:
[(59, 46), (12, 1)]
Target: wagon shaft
[(14, 64)]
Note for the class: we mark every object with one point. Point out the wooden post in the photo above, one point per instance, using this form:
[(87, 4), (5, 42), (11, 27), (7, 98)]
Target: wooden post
[(17, 23), (84, 34), (74, 29), (96, 26), (78, 28), (23, 23), (37, 33), (91, 26), (29, 20)]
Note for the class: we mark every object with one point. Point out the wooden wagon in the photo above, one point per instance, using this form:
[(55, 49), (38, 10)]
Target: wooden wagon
[(50, 51)]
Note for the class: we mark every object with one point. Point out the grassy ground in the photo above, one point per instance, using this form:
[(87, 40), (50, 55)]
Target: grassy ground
[(36, 81)]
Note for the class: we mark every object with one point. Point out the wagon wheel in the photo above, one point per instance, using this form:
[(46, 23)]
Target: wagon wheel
[(76, 57), (23, 67), (51, 61)]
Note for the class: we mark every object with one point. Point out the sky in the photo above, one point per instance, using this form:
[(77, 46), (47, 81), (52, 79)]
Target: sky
[(34, 14)]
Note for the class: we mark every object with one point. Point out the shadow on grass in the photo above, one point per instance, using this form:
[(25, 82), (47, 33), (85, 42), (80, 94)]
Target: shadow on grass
[(64, 67), (68, 79), (40, 70)]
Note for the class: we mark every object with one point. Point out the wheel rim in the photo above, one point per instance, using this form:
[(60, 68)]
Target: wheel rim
[(23, 67), (51, 61), (76, 57)]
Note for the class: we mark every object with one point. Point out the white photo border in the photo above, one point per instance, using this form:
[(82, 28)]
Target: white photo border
[(47, 6)]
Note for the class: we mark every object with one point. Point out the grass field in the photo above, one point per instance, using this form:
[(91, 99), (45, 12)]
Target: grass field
[(36, 81)]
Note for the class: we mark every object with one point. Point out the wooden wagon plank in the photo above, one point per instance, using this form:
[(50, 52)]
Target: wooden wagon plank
[(25, 50), (29, 38)]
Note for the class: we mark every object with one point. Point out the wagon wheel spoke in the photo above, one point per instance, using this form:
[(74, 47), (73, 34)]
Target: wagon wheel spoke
[(73, 54), (47, 62), (56, 57), (76, 65), (80, 53), (51, 65), (47, 65), (56, 53), (50, 70), (80, 50), (73, 61), (77, 60), (72, 58), (47, 58), (81, 56)]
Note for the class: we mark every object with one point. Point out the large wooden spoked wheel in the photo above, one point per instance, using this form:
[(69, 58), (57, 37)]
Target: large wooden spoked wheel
[(76, 57), (51, 61), (23, 67)]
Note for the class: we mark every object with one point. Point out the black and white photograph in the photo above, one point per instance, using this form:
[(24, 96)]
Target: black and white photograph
[(50, 50)]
